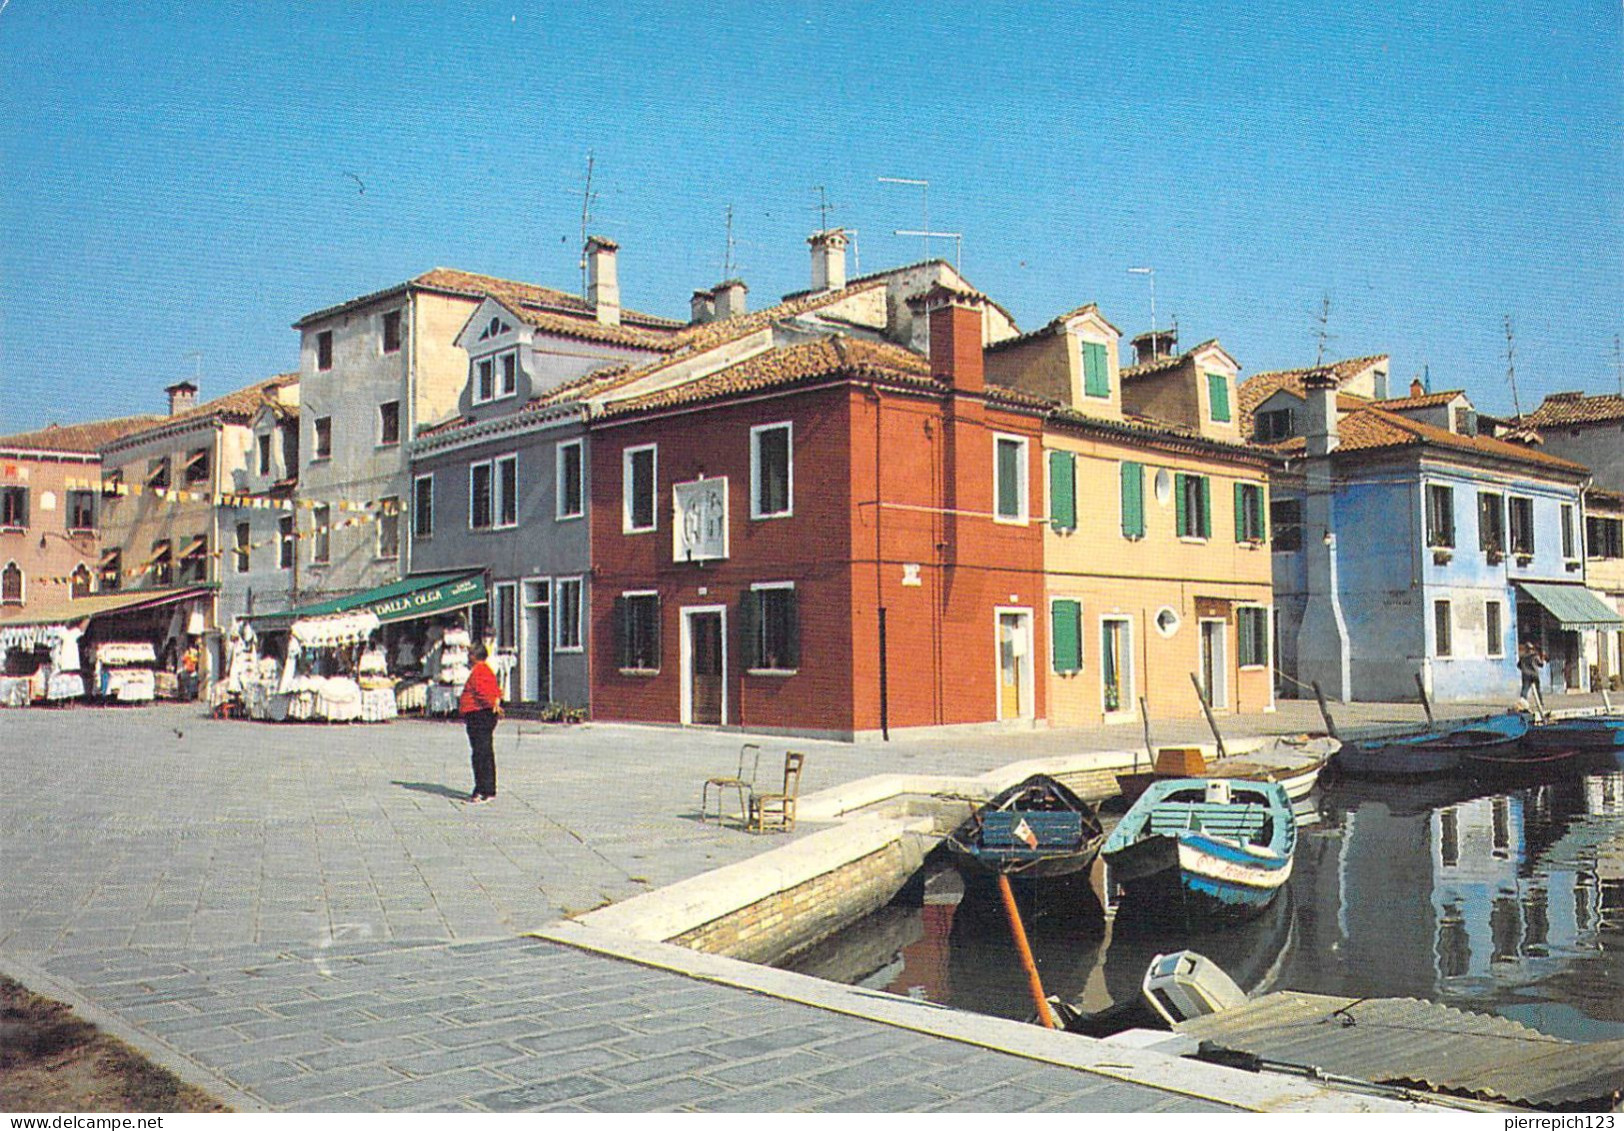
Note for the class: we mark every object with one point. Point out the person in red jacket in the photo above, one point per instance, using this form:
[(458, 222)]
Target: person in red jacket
[(480, 707)]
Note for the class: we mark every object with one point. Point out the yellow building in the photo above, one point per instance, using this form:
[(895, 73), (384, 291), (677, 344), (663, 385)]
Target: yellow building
[(1157, 556)]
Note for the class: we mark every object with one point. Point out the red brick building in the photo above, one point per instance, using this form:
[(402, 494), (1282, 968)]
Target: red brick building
[(835, 537)]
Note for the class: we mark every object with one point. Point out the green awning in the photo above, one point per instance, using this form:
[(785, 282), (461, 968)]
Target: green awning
[(407, 599), (1573, 606)]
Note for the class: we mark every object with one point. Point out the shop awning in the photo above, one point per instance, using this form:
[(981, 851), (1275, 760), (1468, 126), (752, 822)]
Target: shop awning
[(72, 610), (1572, 606), (407, 599)]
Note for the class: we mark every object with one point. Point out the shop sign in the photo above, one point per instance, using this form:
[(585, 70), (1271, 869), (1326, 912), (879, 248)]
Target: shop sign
[(699, 520), (422, 602)]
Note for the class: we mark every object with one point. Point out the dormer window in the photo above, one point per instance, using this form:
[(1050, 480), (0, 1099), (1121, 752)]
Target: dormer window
[(510, 374), (495, 377), (1277, 424), (1096, 369), (485, 381), (495, 328), (1218, 398), (262, 444)]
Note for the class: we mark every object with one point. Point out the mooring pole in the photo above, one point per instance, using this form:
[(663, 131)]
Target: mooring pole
[(1426, 704), (885, 697), (1150, 751), (1018, 933), (1325, 713), (1206, 709)]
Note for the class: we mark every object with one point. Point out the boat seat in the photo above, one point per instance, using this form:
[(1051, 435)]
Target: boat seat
[(1054, 831), (1238, 821)]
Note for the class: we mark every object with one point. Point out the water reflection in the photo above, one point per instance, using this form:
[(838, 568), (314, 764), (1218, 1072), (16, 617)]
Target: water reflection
[(1510, 902)]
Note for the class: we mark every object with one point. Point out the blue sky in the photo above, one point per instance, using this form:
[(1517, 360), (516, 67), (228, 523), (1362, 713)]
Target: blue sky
[(174, 178)]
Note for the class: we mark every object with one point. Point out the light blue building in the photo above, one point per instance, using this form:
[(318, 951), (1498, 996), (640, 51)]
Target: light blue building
[(1407, 545)]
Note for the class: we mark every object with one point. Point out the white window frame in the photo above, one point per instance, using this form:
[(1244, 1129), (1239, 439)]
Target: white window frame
[(504, 388), (512, 588), (627, 482), (316, 536), (558, 621), (383, 443), (1449, 617), (1268, 636), (756, 432), (476, 376), (377, 545), (628, 594), (263, 463), (498, 498), (417, 482), (1126, 676), (559, 514), (1496, 643), (316, 454), (761, 624), (1568, 532), (1023, 485)]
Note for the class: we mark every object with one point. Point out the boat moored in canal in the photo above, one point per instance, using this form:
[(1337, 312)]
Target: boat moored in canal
[(1036, 830), (1430, 753), (1295, 761), (1552, 746)]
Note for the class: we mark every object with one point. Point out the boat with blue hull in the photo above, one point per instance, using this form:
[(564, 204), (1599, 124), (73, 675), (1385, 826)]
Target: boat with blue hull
[(1198, 849), (1592, 732), (1430, 753), (1555, 746)]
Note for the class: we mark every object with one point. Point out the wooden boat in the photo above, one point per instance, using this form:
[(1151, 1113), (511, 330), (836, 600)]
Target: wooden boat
[(1036, 830), (1429, 753), (1593, 732), (1197, 849), (1553, 747), (1295, 761)]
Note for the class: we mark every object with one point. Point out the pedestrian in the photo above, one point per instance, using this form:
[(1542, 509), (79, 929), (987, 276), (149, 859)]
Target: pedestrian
[(1530, 660), (480, 707)]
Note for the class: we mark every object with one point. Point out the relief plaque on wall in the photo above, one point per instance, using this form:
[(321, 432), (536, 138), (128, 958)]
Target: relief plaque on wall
[(699, 520)]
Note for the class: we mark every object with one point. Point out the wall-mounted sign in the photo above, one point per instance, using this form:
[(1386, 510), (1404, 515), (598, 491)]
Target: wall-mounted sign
[(699, 520), (910, 573)]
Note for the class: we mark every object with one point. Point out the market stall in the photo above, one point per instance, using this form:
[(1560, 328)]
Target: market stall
[(126, 671), (40, 663), (330, 672)]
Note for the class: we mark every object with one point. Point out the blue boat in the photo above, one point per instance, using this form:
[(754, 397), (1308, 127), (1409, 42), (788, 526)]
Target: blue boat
[(1195, 849), (1556, 746), (1431, 753), (1593, 732)]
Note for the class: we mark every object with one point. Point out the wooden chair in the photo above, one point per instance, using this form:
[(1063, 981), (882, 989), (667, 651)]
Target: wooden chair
[(745, 786), (778, 809)]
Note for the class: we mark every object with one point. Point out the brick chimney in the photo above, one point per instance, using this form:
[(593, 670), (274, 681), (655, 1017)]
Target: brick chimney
[(955, 338), (828, 259), (729, 298), (602, 280), (701, 308), (182, 397), (1154, 345), (1417, 389), (1319, 429)]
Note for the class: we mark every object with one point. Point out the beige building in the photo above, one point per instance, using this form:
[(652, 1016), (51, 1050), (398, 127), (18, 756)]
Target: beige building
[(1604, 576)]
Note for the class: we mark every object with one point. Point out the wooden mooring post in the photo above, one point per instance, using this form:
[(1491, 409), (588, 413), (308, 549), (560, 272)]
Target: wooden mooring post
[(1150, 751), (1018, 933), (1426, 704), (1325, 712), (1206, 709)]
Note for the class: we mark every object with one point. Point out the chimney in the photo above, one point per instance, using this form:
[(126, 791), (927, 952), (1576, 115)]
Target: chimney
[(602, 281), (1417, 389), (702, 308), (729, 297), (955, 338), (182, 397), (828, 259), (1320, 389), (1154, 345)]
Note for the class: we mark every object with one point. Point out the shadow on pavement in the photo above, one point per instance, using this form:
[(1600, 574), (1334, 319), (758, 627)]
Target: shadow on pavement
[(433, 787)]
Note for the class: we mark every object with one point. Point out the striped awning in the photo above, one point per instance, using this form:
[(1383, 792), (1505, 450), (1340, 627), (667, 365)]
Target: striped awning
[(1573, 607)]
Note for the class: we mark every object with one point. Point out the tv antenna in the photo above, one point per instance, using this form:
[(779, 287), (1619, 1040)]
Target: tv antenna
[(1511, 368), (1151, 272), (956, 237), (824, 208), (1322, 329), (1618, 364), (729, 262), (587, 197), (924, 206), (196, 358)]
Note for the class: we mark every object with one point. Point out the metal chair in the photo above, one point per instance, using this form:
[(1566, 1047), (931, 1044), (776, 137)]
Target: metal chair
[(746, 786), (778, 809)]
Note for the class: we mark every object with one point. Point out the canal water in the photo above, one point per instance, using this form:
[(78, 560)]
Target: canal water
[(1508, 902)]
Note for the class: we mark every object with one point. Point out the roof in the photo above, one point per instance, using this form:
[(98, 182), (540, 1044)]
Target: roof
[(468, 284), (1259, 387), (236, 407), (1561, 410), (78, 437), (1161, 432), (1163, 364), (72, 610), (1367, 428), (590, 329), (1054, 326), (1425, 400), (1610, 500)]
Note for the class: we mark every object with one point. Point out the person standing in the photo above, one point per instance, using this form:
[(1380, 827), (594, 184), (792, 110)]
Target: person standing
[(480, 707), (1528, 665)]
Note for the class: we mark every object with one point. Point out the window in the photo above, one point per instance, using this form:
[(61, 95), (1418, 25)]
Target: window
[(1009, 479), (324, 350), (510, 374), (637, 469), (161, 566), (1569, 550), (1466, 421), (1116, 664), (1277, 424), (423, 506), (1218, 397), (158, 473), (389, 527), (1252, 627), (13, 507), (493, 493), (507, 491), (1096, 369), (197, 465), (772, 471), (505, 616), (324, 438), (571, 500), (1604, 537), (1522, 525), (484, 380), (1443, 644), (1286, 519), (1491, 522), (1063, 491), (1493, 623), (479, 495), (1066, 635), (770, 628), (1249, 513), (1440, 516), (567, 614), (1133, 500), (262, 444), (79, 581), (389, 423), (11, 584), (637, 627), (391, 331), (81, 510), (194, 560), (284, 542), (290, 446), (1192, 498), (112, 569), (244, 541), (321, 534), (113, 483)]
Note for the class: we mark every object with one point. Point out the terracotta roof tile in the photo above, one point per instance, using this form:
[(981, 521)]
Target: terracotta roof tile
[(1163, 364), (1259, 387), (1561, 410), (1368, 428), (1425, 400), (78, 437), (236, 407), (1050, 328)]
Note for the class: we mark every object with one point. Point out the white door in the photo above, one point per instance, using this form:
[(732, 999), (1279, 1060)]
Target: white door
[(535, 658), (1215, 663)]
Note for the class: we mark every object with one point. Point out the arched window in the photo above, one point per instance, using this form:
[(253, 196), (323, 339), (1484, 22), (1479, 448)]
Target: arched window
[(11, 585), (81, 580)]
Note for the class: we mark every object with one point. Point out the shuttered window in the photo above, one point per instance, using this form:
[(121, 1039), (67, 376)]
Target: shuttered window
[(1218, 397), (1096, 370), (1066, 635), (1009, 453), (1252, 627), (1133, 500), (1192, 496), (1249, 525), (1063, 490)]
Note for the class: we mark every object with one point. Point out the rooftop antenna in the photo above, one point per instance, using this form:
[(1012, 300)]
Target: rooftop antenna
[(1511, 368), (1322, 329), (728, 260), (1618, 364), (924, 205), (587, 197), (196, 358), (956, 237), (1150, 271), (824, 208)]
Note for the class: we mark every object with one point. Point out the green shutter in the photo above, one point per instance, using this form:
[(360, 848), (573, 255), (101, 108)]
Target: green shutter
[(1096, 370), (1133, 500), (749, 628), (1240, 512), (1206, 505), (1066, 635), (1218, 396), (1063, 490), (1262, 514), (1008, 503), (1181, 508)]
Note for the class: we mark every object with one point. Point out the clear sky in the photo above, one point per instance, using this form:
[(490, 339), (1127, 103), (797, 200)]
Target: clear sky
[(180, 182)]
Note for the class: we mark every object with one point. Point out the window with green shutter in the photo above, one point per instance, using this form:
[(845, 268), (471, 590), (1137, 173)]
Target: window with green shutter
[(1096, 370), (1218, 397), (1063, 490), (1249, 523), (1133, 500), (1192, 496), (1066, 635), (1252, 626), (1010, 460)]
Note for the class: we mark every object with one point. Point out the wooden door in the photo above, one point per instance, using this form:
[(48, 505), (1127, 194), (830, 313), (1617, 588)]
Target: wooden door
[(705, 668)]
